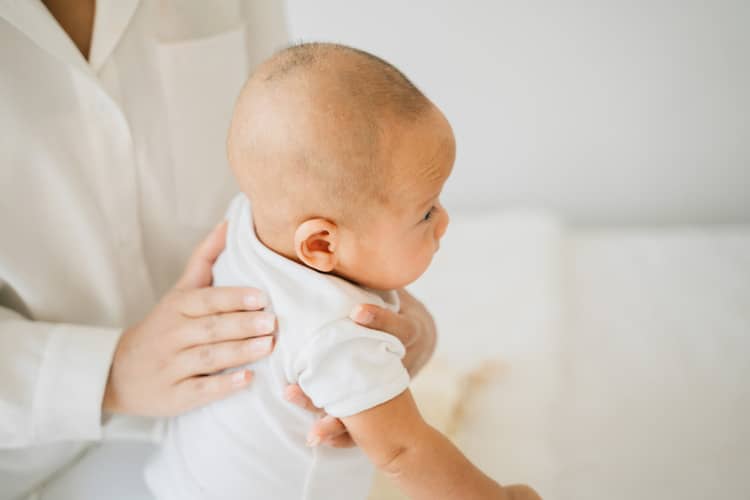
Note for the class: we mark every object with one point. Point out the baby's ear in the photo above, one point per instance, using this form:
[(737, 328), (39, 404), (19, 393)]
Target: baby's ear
[(315, 243)]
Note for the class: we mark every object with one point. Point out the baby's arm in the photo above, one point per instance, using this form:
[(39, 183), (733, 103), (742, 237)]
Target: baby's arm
[(423, 462)]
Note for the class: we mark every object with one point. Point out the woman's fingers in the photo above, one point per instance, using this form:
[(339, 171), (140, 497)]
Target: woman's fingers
[(413, 326), (328, 430), (201, 390), (211, 358), (193, 330), (222, 327), (198, 270), (521, 492), (223, 299), (341, 441), (399, 325), (293, 393)]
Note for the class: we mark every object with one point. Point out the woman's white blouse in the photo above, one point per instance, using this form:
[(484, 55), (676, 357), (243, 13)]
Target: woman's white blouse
[(112, 170)]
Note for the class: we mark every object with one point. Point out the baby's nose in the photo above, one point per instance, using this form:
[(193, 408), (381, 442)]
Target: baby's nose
[(442, 227)]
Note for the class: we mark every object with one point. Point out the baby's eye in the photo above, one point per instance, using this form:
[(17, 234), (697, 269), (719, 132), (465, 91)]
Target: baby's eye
[(429, 214)]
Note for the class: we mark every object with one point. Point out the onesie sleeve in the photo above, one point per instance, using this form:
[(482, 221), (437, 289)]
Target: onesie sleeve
[(345, 368)]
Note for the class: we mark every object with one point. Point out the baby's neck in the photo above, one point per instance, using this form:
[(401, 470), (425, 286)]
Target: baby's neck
[(274, 239)]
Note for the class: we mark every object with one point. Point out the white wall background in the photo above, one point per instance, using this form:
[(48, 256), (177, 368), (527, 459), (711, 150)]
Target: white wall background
[(606, 111)]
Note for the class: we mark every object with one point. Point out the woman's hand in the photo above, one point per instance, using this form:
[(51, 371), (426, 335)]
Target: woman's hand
[(413, 325), (163, 365)]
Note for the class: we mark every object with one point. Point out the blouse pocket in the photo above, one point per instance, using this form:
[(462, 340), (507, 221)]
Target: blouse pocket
[(201, 80)]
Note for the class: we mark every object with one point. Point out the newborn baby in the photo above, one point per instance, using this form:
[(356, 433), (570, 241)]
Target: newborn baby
[(343, 159)]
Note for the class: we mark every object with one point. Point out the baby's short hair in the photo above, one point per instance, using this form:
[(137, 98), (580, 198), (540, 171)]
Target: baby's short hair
[(376, 81), (308, 130)]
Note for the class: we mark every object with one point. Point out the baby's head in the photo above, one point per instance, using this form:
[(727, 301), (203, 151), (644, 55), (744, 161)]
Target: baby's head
[(344, 160)]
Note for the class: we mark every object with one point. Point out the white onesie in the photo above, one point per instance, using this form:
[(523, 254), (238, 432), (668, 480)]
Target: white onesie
[(252, 445)]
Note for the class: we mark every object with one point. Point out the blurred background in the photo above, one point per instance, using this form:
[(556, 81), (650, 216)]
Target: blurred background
[(593, 291), (627, 112)]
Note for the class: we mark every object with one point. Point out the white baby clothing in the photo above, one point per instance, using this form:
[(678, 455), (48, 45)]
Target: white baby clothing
[(252, 445)]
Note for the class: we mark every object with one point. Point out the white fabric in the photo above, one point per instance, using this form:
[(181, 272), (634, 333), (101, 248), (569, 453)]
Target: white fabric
[(253, 444), (111, 170)]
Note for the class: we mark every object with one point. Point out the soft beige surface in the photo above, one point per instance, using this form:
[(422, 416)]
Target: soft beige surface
[(623, 354), (655, 394), (494, 290)]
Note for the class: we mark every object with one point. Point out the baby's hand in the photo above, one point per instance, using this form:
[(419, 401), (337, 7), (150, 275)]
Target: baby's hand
[(327, 430)]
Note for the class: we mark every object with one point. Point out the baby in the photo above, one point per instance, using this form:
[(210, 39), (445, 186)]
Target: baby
[(344, 160)]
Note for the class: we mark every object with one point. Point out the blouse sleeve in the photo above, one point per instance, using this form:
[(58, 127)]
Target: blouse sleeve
[(52, 380)]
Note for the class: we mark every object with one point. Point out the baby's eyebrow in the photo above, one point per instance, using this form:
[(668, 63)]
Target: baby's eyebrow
[(432, 167), (428, 202)]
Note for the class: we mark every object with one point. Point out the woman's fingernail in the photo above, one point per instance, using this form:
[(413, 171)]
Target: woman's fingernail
[(255, 301), (313, 440), (262, 345), (265, 322), (362, 315), (240, 378)]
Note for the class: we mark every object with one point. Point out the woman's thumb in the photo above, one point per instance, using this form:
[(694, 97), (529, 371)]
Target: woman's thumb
[(198, 272)]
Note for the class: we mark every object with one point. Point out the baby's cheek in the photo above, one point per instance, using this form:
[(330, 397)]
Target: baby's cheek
[(412, 260), (424, 256)]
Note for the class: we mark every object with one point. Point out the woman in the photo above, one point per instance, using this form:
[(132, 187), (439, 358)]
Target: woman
[(112, 139)]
